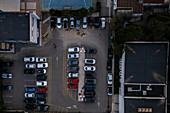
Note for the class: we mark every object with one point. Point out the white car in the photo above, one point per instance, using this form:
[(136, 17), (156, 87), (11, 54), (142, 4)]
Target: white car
[(84, 22), (103, 23), (89, 68), (73, 75), (41, 83), (73, 55), (73, 49), (109, 79), (29, 59), (42, 65), (43, 59), (6, 75), (72, 23), (30, 65), (29, 95), (59, 25), (89, 61)]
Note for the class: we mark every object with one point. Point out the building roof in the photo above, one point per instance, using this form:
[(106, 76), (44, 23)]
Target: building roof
[(153, 1), (137, 7), (146, 62), (14, 26), (133, 105), (10, 5)]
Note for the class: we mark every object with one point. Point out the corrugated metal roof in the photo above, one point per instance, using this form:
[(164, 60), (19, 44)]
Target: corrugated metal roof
[(10, 5)]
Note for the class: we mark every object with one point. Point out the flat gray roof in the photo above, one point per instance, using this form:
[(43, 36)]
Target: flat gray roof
[(146, 62), (14, 26), (132, 105), (10, 5)]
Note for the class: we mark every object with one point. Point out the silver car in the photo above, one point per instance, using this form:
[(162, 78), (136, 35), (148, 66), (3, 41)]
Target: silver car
[(89, 61), (6, 75), (30, 65), (78, 25)]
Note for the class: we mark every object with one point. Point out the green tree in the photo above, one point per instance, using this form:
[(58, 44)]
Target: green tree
[(90, 10), (82, 12)]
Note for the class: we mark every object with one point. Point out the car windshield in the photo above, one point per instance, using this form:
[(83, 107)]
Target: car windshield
[(59, 24), (90, 61)]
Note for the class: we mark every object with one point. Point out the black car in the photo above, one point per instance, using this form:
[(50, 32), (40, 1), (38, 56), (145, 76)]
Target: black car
[(89, 93), (30, 107), (109, 90), (29, 101), (90, 51), (41, 77), (41, 95), (90, 75), (53, 22), (97, 22), (73, 62), (41, 71), (73, 69), (109, 65), (89, 87), (6, 64), (7, 87), (29, 71), (42, 108), (110, 54), (91, 100), (90, 81)]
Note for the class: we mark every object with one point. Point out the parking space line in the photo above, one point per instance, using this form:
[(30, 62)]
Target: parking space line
[(7, 101), (30, 80), (29, 85), (6, 96)]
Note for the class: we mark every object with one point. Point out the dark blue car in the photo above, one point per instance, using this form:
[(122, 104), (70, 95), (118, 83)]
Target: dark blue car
[(30, 89)]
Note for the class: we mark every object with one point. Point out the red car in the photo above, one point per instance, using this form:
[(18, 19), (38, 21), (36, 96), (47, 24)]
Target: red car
[(72, 86), (91, 22), (42, 89), (73, 81)]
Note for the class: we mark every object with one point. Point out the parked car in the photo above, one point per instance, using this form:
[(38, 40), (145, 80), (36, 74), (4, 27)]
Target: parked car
[(73, 69), (5, 75), (89, 68), (42, 108), (97, 22), (59, 25), (29, 100), (73, 50), (109, 90), (72, 86), (29, 95), (30, 66), (89, 93), (30, 89), (78, 24), (65, 23), (29, 71), (73, 81), (29, 59), (42, 65), (41, 95), (84, 22), (90, 75), (91, 22), (6, 64), (109, 79), (72, 23), (41, 77), (109, 65), (90, 51), (43, 59), (89, 61), (90, 81), (41, 71), (7, 87), (41, 83), (103, 23), (41, 89), (110, 54), (91, 100), (30, 106), (89, 87), (73, 62), (41, 101), (73, 55), (72, 75), (53, 22)]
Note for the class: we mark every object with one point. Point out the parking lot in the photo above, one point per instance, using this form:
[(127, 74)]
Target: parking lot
[(59, 98)]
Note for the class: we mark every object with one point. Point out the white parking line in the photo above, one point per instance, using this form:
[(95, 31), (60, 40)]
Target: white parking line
[(6, 96), (30, 80), (8, 102), (29, 86)]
